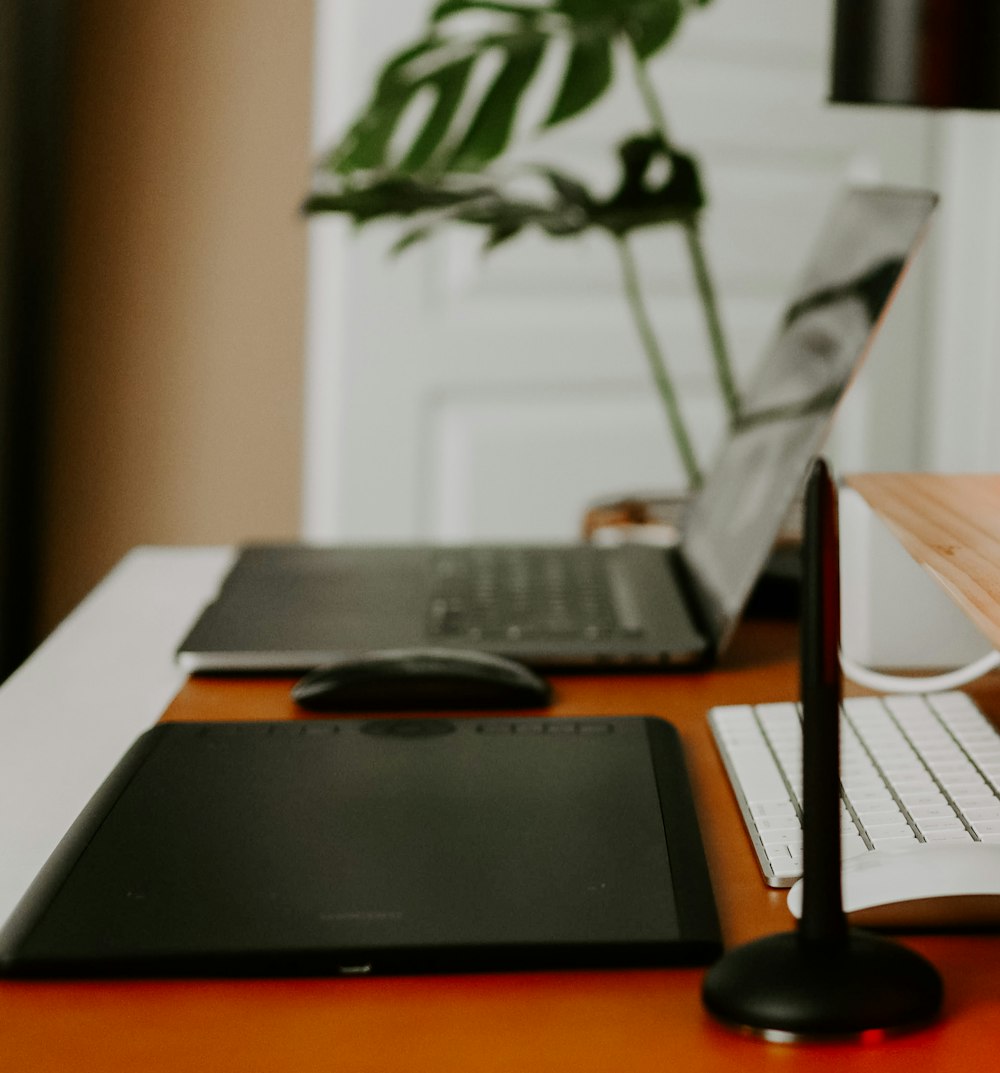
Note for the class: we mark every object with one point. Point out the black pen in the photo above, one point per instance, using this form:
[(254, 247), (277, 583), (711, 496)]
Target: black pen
[(823, 980), (822, 911)]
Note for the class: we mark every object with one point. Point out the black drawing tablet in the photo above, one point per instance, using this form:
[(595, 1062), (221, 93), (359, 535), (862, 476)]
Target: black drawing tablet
[(352, 846)]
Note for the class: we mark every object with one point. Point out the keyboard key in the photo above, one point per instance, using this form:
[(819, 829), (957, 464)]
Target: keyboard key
[(888, 830), (876, 816), (860, 799), (923, 801), (783, 853), (760, 779), (940, 823), (948, 836), (930, 812), (778, 831), (782, 808), (895, 842), (777, 851), (791, 870)]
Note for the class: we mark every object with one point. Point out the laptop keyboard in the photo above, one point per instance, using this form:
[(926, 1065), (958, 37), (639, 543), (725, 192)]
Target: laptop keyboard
[(516, 594), (914, 770)]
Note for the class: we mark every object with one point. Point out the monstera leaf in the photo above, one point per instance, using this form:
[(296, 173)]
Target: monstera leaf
[(566, 207), (467, 127)]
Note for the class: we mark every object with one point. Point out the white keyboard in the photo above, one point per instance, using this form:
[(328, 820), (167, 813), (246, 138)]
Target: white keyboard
[(914, 770)]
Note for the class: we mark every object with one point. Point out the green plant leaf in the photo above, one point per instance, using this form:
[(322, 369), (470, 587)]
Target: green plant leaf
[(570, 190), (500, 234), (565, 208), (489, 131), (388, 196), (652, 25), (366, 142), (588, 75), (450, 84), (636, 203), (445, 60)]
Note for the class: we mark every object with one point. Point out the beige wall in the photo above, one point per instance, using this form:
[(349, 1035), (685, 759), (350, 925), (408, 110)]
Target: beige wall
[(177, 397)]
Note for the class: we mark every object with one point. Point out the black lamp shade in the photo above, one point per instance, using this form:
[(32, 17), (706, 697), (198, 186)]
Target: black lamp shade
[(926, 53)]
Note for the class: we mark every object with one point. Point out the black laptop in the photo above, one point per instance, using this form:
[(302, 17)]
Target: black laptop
[(357, 847), (292, 607)]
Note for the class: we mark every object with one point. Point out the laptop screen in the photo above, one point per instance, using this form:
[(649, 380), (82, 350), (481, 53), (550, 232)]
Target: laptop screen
[(823, 336)]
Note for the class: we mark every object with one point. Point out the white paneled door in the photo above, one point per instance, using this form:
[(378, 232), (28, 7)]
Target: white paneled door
[(454, 396)]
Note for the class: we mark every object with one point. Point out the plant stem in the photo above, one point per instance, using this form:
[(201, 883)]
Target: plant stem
[(657, 364), (648, 94), (713, 322), (699, 263)]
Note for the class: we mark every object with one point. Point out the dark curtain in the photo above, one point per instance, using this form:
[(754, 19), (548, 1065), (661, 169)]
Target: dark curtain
[(33, 80)]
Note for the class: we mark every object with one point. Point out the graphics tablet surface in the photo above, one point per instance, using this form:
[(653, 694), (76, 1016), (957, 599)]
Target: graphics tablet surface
[(377, 846)]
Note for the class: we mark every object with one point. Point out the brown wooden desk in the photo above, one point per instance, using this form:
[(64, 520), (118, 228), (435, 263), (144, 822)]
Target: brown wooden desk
[(580, 1022)]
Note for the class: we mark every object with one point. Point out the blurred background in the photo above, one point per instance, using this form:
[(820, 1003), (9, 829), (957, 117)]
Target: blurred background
[(186, 360)]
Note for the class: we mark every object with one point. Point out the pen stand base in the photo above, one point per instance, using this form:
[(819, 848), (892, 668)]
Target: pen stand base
[(785, 988)]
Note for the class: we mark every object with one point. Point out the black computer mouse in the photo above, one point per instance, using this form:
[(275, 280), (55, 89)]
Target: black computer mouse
[(421, 679)]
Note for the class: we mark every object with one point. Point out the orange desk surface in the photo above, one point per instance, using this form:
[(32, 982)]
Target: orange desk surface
[(573, 1021)]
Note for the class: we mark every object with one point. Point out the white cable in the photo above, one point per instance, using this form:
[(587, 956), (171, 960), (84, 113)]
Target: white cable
[(901, 683)]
